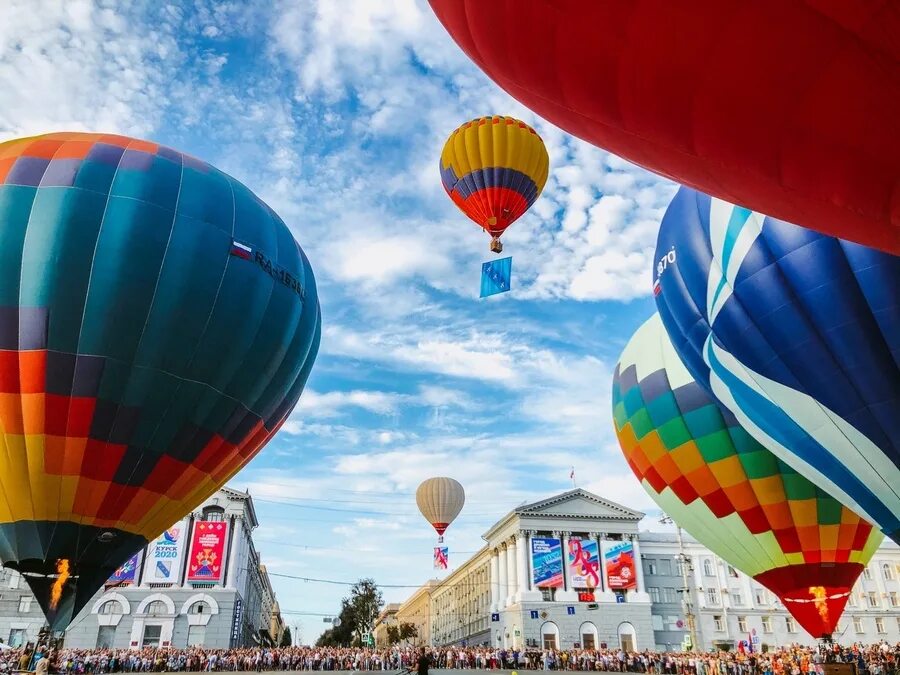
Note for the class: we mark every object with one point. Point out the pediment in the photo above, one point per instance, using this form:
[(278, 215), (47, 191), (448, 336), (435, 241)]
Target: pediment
[(579, 503)]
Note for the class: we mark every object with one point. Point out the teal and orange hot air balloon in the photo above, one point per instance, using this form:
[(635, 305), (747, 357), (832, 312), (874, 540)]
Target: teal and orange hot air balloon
[(494, 168), (729, 492), (158, 323)]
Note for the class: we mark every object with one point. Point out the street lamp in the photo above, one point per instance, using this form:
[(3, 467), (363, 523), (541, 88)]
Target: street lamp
[(684, 562)]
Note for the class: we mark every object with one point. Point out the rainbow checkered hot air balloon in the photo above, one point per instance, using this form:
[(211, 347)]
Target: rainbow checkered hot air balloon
[(494, 168), (158, 323), (729, 492)]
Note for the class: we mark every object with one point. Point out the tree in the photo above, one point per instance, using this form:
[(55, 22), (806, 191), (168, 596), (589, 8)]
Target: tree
[(407, 631), (393, 635), (286, 637), (364, 604)]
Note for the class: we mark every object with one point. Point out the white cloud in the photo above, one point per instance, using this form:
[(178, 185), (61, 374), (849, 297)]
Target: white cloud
[(315, 404)]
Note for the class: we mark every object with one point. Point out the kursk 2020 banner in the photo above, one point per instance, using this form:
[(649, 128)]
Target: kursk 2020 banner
[(207, 558), (547, 562), (620, 572)]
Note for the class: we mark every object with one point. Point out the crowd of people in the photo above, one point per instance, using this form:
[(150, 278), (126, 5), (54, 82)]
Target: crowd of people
[(875, 659)]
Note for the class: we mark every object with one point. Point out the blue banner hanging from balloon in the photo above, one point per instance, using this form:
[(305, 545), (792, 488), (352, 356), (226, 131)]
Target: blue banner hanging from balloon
[(495, 276)]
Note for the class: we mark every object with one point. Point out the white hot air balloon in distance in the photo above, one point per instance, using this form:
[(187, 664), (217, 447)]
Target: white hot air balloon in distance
[(440, 500)]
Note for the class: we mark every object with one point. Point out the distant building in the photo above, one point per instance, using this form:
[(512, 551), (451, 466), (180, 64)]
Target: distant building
[(198, 583), (386, 618), (526, 588), (417, 611)]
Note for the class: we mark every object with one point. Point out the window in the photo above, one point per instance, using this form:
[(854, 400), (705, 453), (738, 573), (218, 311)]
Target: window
[(894, 599), (736, 598), (898, 624), (760, 596), (867, 573), (732, 572), (25, 604), (670, 595), (547, 594), (654, 593), (156, 607), (767, 624), (651, 566), (720, 625), (872, 597), (707, 567), (886, 571), (742, 624), (16, 637), (665, 566), (110, 607), (196, 636), (858, 624), (198, 607), (657, 621), (106, 636), (852, 600), (879, 625), (789, 624), (671, 623), (214, 513), (151, 636), (712, 596)]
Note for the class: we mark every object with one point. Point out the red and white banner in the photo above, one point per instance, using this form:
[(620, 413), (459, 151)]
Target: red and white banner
[(207, 556)]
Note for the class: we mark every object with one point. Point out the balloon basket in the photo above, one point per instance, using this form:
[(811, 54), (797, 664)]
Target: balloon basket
[(496, 245)]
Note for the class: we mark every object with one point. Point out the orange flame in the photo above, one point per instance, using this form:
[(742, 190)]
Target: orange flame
[(819, 598), (62, 569)]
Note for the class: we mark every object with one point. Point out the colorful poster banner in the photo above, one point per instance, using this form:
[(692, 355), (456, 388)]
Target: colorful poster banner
[(620, 571), (584, 563), (547, 562), (441, 557), (164, 555), (207, 558), (124, 575)]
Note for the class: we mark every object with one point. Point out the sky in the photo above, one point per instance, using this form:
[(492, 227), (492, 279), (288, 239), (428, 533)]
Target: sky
[(335, 112)]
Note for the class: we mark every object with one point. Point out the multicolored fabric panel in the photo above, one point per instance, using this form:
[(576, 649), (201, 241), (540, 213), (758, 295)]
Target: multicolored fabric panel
[(731, 493), (798, 334), (157, 324), (494, 168)]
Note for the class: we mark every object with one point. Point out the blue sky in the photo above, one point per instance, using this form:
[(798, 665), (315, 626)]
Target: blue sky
[(335, 112)]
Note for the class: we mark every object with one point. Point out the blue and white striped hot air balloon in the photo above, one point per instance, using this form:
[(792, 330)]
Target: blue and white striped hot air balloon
[(798, 334)]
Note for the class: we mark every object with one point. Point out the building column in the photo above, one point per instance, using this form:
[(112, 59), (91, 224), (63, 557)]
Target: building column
[(640, 594), (229, 577), (606, 595), (502, 578), (511, 582), (568, 594), (495, 580)]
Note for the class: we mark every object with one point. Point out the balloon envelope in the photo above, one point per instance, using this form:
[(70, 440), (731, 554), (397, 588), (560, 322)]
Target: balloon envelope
[(157, 324), (787, 106), (798, 334), (729, 492), (440, 500), (494, 168)]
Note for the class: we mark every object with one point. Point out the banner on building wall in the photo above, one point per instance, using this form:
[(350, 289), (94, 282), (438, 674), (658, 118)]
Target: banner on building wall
[(621, 574), (547, 562), (124, 575), (236, 618), (207, 557), (441, 557), (165, 554), (584, 563)]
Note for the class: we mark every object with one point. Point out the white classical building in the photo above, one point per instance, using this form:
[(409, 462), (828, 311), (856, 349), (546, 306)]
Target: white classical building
[(199, 583)]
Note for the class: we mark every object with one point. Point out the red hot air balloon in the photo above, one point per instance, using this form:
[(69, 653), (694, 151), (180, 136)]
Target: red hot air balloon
[(789, 107)]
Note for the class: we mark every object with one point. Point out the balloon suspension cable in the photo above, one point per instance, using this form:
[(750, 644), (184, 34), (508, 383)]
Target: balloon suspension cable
[(496, 245)]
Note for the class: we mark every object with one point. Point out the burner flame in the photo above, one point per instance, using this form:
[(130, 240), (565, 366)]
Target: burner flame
[(62, 570), (819, 598)]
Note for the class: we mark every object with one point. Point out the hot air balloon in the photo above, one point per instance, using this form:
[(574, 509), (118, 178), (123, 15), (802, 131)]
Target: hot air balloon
[(440, 500), (798, 334), (157, 325), (786, 106), (494, 169), (729, 492)]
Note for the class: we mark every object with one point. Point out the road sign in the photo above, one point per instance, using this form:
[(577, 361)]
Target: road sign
[(495, 616), (570, 610), (534, 614)]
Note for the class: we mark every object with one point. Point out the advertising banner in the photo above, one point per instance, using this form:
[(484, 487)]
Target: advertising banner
[(584, 563), (547, 562), (207, 557), (620, 571), (441, 557), (164, 555), (124, 575)]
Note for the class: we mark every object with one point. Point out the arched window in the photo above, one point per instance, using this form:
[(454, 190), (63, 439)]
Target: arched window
[(111, 607), (887, 572), (214, 513), (708, 567), (156, 607), (199, 607)]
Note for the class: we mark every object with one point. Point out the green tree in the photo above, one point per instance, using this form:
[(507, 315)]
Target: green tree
[(407, 631), (393, 635), (364, 603), (286, 637)]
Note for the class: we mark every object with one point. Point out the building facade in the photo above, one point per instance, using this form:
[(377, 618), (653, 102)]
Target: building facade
[(417, 611), (517, 593), (199, 583), (385, 619)]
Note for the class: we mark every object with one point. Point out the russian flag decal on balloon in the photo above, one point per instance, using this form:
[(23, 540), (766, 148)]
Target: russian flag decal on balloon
[(241, 250)]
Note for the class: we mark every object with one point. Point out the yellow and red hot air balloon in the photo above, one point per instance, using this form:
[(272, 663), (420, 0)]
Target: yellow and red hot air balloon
[(494, 168), (729, 492), (440, 500)]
